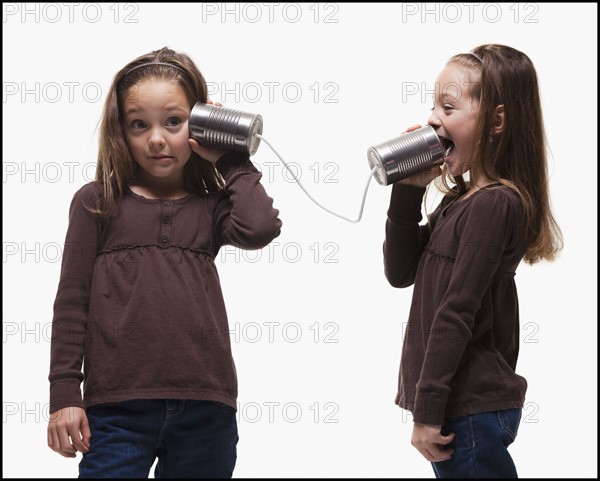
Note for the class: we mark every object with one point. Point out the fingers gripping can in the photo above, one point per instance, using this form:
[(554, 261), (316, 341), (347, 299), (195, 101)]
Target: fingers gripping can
[(406, 155), (225, 129)]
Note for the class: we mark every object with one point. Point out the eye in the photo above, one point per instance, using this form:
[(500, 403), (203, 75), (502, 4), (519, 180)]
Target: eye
[(447, 108), (138, 124), (173, 122)]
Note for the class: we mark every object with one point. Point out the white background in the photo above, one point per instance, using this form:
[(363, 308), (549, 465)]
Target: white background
[(330, 80)]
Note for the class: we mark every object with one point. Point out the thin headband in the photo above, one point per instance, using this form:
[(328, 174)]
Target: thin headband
[(153, 63), (476, 56)]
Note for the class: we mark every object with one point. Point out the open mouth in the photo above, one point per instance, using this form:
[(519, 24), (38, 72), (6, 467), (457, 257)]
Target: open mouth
[(448, 145)]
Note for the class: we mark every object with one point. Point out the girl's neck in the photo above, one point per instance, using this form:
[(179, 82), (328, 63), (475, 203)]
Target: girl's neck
[(477, 181), (159, 188)]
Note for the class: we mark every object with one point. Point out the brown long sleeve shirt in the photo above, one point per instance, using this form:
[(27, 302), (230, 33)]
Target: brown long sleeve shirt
[(139, 301), (462, 339)]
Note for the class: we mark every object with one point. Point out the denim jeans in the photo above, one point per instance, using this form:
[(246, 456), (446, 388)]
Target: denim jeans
[(190, 439), (480, 445)]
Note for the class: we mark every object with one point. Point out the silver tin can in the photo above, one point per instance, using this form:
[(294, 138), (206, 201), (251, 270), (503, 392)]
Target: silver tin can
[(225, 129)]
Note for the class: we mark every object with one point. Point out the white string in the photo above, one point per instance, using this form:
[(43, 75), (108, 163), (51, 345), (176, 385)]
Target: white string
[(362, 205)]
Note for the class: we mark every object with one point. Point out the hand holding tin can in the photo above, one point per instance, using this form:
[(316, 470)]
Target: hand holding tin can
[(413, 152)]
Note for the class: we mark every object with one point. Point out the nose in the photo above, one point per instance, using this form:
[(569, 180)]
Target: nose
[(156, 138), (434, 120)]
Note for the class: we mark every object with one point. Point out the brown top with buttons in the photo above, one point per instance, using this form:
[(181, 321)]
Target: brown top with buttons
[(462, 338), (139, 301)]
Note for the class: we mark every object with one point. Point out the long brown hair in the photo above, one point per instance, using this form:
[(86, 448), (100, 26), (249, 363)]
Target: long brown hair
[(115, 166), (516, 157)]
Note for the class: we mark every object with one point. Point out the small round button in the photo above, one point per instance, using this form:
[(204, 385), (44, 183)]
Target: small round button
[(164, 239), (167, 203), (167, 220)]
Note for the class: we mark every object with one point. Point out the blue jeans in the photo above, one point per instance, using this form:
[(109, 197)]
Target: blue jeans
[(190, 439), (480, 445)]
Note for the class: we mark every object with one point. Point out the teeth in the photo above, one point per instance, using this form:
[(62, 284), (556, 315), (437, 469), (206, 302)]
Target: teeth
[(447, 153)]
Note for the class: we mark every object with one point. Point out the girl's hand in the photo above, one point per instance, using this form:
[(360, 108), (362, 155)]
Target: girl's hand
[(430, 443), (69, 431), (422, 178), (212, 155)]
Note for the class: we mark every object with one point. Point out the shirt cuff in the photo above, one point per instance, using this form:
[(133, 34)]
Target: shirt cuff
[(430, 408), (405, 204), (65, 393)]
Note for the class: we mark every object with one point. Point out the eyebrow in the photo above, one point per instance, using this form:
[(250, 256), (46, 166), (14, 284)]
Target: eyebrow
[(445, 97), (170, 108), (442, 98), (134, 109)]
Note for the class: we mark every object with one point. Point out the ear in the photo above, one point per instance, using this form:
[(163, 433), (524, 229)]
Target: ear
[(498, 120)]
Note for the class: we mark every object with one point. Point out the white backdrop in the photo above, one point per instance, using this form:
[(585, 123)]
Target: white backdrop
[(316, 328)]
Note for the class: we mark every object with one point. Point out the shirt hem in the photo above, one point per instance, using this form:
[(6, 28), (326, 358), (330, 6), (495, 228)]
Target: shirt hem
[(471, 409), (90, 401)]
